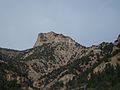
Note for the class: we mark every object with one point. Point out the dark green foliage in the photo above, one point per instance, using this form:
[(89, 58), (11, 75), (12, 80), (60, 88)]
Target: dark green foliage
[(109, 79), (106, 48), (8, 54), (44, 51), (4, 57), (9, 85)]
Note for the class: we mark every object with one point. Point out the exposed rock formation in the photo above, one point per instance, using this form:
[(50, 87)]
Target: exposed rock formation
[(52, 37)]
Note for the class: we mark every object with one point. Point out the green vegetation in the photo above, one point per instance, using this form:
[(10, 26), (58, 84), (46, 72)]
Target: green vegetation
[(109, 79), (9, 85)]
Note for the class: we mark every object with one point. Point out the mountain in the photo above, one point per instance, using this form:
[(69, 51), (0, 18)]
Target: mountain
[(57, 62)]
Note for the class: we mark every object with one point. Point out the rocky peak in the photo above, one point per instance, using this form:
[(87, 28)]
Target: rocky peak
[(52, 37)]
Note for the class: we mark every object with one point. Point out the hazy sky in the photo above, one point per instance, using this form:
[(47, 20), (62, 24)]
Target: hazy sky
[(87, 21)]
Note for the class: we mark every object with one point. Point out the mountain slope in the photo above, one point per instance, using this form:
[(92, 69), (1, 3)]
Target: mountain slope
[(57, 62)]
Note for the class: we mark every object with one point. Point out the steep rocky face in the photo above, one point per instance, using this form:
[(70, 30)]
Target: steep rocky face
[(52, 37), (57, 62)]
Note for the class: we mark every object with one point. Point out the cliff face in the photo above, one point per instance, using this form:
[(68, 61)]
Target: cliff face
[(57, 62), (52, 37)]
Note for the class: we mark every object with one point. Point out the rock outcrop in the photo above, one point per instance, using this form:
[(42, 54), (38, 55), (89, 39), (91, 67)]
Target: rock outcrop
[(52, 37)]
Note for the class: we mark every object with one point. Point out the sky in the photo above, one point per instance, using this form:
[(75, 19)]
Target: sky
[(86, 21)]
